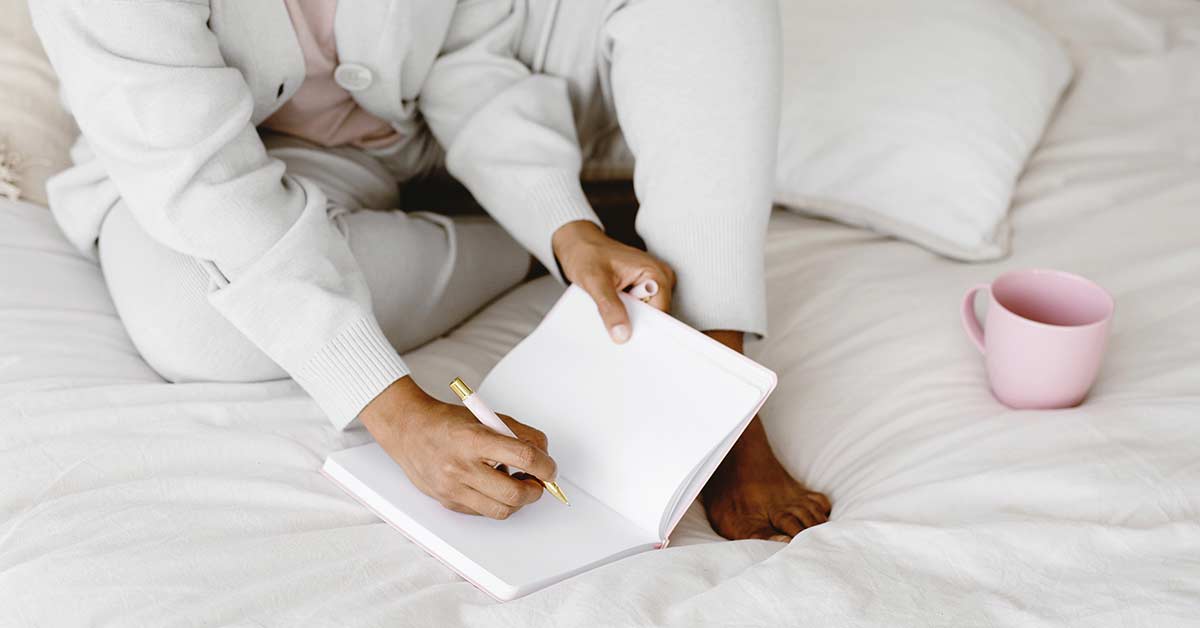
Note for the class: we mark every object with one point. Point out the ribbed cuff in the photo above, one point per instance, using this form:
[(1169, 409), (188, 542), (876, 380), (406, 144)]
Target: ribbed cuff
[(558, 200), (351, 370), (719, 270)]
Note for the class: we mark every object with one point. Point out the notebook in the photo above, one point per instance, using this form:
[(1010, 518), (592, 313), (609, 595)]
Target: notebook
[(636, 430)]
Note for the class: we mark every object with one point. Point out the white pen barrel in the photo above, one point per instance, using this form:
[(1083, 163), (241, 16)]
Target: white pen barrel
[(489, 418), (486, 415), (644, 290)]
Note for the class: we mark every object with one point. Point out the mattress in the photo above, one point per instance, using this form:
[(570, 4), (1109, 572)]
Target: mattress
[(128, 501)]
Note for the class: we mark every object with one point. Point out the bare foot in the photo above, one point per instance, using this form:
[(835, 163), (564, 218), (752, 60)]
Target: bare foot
[(751, 495)]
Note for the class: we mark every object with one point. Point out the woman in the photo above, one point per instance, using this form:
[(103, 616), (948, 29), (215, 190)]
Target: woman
[(230, 148)]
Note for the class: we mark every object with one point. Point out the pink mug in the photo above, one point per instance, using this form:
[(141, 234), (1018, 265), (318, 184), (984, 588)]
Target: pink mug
[(1046, 331)]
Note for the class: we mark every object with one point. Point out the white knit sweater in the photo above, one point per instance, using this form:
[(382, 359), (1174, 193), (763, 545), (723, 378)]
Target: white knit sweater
[(168, 94)]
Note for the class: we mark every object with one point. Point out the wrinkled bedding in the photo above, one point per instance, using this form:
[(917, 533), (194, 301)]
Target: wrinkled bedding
[(128, 501)]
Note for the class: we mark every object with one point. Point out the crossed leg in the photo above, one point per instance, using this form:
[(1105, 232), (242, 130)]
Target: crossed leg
[(696, 90)]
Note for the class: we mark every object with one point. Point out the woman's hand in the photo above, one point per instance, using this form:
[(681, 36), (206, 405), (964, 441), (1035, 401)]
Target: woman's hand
[(448, 454), (603, 267)]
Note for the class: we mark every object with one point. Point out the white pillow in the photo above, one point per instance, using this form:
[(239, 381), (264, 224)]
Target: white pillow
[(914, 118), (35, 131)]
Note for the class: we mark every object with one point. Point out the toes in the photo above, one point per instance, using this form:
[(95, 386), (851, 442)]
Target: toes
[(820, 498), (793, 519), (779, 522), (789, 523), (739, 528), (806, 513), (816, 513), (766, 533)]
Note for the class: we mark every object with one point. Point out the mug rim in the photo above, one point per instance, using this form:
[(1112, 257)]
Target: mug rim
[(1110, 302)]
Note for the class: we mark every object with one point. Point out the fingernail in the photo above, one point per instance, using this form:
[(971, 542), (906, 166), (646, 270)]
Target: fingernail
[(782, 538), (619, 333)]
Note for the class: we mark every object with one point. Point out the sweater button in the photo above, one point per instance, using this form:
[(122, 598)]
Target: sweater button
[(353, 77)]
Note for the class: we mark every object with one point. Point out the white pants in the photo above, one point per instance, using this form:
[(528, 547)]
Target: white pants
[(696, 106)]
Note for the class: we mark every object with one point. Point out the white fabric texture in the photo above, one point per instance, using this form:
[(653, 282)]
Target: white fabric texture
[(914, 118), (134, 503)]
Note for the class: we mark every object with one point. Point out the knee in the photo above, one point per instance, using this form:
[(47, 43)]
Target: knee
[(196, 345), (161, 298)]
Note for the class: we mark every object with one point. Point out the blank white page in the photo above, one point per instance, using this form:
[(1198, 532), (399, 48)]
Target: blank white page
[(628, 423), (540, 544)]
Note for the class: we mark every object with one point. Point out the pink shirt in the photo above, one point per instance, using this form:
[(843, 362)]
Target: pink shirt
[(322, 111)]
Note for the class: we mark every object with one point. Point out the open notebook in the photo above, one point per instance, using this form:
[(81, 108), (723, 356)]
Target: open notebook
[(636, 430)]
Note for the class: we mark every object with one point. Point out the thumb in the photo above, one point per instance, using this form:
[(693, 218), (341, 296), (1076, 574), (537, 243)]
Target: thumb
[(612, 311)]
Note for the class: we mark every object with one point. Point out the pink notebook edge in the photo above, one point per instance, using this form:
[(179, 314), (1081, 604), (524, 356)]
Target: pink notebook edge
[(345, 489)]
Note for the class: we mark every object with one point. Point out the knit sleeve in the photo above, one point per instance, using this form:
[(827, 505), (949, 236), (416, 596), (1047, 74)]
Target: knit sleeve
[(509, 134), (171, 125)]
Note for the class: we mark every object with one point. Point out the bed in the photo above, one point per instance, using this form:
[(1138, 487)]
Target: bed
[(129, 501)]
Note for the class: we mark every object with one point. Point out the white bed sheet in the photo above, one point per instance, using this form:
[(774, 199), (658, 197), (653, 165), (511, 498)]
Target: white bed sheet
[(127, 501)]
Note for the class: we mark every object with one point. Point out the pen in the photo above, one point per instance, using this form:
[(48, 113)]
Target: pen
[(643, 291), (489, 418)]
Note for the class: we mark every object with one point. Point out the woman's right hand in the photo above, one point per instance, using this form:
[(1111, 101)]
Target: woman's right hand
[(448, 454)]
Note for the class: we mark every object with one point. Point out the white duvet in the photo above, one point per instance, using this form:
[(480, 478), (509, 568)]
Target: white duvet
[(127, 501)]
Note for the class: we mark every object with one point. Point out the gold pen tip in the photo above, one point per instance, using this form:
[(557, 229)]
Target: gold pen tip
[(553, 489)]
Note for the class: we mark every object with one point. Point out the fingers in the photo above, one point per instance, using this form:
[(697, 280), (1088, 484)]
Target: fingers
[(449, 505), (612, 311), (514, 453), (526, 433), (502, 487), (467, 498)]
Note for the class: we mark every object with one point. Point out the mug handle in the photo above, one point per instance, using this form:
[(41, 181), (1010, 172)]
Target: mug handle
[(969, 321)]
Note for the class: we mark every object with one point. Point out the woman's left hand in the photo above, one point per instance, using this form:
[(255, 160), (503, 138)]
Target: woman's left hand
[(603, 267)]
